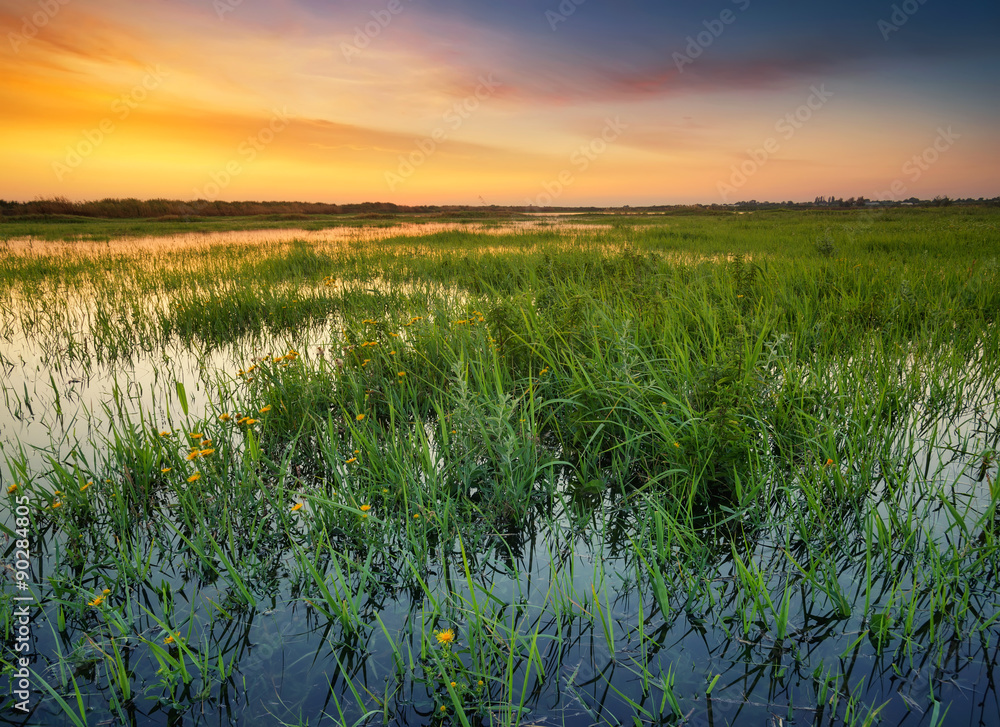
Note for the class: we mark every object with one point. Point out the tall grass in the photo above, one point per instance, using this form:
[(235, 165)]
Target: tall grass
[(525, 473)]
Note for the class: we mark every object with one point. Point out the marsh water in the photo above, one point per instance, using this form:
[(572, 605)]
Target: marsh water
[(587, 643)]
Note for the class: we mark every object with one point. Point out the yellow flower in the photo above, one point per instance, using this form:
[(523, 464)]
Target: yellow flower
[(454, 684), (385, 489), (265, 409), (479, 683), (224, 417), (165, 433), (296, 507), (166, 469), (206, 452), (351, 460), (416, 515), (828, 463), (360, 417), (445, 637), (172, 637), (677, 444), (11, 489), (56, 504), (444, 708), (402, 374), (196, 435), (194, 455), (106, 591), (365, 508), (194, 477), (84, 488), (96, 602), (248, 421)]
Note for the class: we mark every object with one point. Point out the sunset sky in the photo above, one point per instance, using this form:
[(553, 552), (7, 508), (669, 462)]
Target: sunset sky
[(504, 101)]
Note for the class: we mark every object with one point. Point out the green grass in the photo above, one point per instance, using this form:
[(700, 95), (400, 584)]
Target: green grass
[(767, 439)]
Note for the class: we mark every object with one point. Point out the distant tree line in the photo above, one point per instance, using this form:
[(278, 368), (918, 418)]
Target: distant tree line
[(167, 209), (173, 209)]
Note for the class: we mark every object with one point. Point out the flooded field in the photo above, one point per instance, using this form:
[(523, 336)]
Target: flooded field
[(691, 470)]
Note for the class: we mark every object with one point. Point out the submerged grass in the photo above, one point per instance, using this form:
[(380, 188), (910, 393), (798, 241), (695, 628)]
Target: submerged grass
[(656, 471)]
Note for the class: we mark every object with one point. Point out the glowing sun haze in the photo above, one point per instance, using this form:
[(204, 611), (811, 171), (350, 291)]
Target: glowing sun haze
[(578, 102)]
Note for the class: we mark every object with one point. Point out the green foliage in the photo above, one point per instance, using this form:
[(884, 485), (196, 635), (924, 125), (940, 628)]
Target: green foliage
[(568, 450)]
